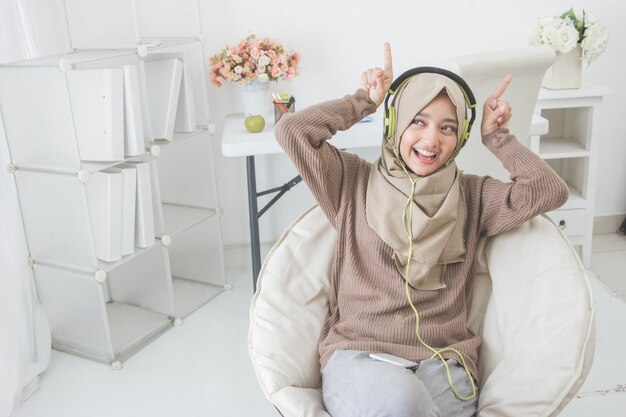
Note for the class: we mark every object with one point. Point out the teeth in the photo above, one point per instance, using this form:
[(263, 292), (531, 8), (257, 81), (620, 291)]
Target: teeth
[(425, 152)]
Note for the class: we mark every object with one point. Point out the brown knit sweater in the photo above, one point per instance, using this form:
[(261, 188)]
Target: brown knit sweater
[(368, 306)]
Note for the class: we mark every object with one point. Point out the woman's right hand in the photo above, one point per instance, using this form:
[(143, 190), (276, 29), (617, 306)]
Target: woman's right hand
[(376, 81), (496, 112)]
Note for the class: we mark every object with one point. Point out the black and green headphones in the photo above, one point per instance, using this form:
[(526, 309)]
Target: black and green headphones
[(390, 111)]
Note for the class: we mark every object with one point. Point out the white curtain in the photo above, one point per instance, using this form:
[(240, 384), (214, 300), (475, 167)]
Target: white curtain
[(24, 330), (28, 29)]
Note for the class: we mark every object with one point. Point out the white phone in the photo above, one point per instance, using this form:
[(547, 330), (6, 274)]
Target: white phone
[(395, 360)]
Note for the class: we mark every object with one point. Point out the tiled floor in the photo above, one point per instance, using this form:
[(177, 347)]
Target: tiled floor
[(201, 369)]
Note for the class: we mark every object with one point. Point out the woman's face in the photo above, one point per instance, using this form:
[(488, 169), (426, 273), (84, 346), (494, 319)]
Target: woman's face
[(431, 138)]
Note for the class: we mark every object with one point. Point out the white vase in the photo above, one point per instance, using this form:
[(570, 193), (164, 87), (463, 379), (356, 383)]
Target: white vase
[(565, 72), (255, 98)]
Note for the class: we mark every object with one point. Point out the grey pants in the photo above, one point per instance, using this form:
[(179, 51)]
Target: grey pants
[(354, 385)]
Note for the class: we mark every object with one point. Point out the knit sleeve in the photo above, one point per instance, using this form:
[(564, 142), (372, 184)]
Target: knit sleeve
[(303, 136), (534, 188)]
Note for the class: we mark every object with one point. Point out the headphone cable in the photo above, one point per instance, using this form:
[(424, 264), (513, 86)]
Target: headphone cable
[(436, 352)]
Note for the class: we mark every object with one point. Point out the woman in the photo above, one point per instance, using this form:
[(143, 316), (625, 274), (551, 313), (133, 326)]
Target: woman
[(407, 230)]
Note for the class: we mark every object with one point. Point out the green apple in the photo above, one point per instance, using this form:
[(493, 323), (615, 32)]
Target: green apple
[(255, 123)]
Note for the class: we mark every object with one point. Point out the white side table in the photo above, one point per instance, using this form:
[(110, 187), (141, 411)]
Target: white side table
[(571, 147)]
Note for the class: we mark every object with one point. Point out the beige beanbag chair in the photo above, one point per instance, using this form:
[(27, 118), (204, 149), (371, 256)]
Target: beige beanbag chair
[(532, 306)]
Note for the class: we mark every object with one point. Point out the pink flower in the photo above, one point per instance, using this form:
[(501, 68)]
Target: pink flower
[(275, 71), (213, 77), (253, 58)]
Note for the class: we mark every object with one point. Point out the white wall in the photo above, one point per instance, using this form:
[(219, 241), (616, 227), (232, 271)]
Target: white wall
[(338, 40)]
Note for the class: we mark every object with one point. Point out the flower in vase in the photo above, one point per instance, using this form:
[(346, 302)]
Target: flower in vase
[(260, 59), (564, 32)]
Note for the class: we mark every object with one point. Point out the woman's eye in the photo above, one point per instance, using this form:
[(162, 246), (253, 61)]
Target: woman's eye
[(449, 128), (418, 122)]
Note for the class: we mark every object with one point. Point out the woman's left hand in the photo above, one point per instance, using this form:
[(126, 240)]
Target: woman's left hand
[(496, 112)]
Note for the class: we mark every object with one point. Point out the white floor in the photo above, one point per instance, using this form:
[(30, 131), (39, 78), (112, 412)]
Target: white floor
[(201, 369)]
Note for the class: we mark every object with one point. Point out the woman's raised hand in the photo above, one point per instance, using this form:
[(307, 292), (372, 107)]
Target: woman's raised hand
[(378, 80), (496, 112)]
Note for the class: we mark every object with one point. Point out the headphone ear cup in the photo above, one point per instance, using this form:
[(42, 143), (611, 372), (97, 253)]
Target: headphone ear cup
[(386, 123), (391, 122)]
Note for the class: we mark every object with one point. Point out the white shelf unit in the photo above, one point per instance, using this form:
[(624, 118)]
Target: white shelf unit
[(571, 148), (107, 311), (124, 24), (190, 216)]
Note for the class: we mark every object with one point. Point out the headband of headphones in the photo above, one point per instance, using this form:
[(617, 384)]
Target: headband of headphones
[(470, 100)]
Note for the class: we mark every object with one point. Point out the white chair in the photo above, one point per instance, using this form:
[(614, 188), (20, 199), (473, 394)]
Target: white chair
[(484, 72), (532, 306)]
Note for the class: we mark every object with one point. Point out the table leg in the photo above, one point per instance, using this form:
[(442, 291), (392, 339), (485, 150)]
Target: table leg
[(254, 221)]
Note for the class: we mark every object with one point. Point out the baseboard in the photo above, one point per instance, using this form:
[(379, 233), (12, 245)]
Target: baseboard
[(608, 223)]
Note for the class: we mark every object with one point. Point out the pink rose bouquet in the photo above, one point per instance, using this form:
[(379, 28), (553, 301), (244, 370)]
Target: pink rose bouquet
[(260, 59)]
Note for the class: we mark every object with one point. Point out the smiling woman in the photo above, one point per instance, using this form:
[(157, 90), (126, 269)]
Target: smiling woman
[(408, 228), (430, 140)]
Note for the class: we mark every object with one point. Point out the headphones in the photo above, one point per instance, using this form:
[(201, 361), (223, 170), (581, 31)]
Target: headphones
[(390, 111)]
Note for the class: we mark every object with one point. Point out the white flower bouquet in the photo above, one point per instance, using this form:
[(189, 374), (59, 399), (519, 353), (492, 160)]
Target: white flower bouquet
[(565, 32)]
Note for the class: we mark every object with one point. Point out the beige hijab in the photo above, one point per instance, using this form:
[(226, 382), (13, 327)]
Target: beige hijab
[(439, 210)]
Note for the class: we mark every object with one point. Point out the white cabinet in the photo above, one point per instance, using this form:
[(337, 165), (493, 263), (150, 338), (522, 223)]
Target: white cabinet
[(98, 309), (571, 148)]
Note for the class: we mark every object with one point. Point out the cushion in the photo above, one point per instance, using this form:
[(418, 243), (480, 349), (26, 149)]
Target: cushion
[(532, 305), (287, 313), (538, 329)]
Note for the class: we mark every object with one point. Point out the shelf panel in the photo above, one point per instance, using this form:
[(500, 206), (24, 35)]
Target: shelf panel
[(575, 200), (586, 91), (558, 148), (109, 266), (74, 58), (197, 254), (539, 125), (133, 327), (178, 218), (146, 282), (95, 166), (190, 295), (577, 240), (56, 219), (181, 137), (38, 120), (75, 306)]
